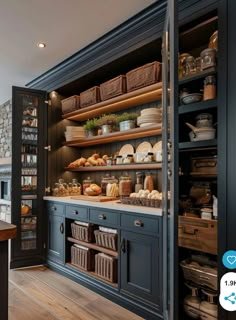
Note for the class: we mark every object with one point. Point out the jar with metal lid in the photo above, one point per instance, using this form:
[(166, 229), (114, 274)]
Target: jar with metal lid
[(208, 58), (74, 188), (119, 159), (112, 189), (61, 189), (104, 182), (109, 161), (149, 157), (125, 186), (129, 159), (190, 65), (209, 91), (182, 64), (86, 183)]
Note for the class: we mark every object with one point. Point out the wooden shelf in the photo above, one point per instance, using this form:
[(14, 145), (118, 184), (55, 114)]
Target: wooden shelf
[(203, 175), (198, 145), (94, 247), (197, 76), (128, 100), (199, 106), (93, 274), (116, 136), (137, 166)]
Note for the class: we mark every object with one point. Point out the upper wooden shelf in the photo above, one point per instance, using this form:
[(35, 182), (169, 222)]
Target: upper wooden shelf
[(125, 101), (134, 166), (116, 136)]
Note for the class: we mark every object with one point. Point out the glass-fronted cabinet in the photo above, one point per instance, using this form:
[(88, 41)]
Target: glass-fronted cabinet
[(29, 134)]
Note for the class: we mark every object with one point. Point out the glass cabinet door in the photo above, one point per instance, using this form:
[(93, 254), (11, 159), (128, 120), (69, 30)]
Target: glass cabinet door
[(28, 173)]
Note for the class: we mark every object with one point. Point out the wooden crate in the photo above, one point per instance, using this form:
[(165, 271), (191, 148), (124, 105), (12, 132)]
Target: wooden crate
[(106, 267), (204, 165), (143, 76), (89, 97), (113, 87), (70, 104), (83, 257), (198, 234), (83, 233), (105, 239)]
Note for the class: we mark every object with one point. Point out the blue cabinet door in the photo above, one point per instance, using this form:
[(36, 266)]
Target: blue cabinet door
[(56, 238), (141, 266)]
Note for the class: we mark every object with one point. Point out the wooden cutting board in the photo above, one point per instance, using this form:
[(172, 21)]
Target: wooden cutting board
[(94, 198)]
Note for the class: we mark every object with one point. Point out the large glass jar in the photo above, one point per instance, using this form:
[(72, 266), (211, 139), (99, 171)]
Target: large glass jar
[(125, 186), (209, 91), (105, 180), (60, 189), (190, 65), (86, 183), (148, 182), (112, 189), (208, 58), (75, 188)]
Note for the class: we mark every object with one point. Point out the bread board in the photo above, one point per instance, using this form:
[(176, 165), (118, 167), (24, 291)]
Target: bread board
[(93, 198)]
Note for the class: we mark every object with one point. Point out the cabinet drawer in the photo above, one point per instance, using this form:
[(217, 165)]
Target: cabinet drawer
[(140, 224), (104, 217), (55, 208), (76, 212)]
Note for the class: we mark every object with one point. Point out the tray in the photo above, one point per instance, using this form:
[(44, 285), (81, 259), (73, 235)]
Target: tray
[(94, 198)]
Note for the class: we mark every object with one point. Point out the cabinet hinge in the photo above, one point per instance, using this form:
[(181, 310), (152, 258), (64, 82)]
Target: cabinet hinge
[(48, 189), (44, 245), (47, 148)]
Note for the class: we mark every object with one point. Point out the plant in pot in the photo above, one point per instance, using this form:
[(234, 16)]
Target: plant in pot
[(91, 127), (108, 123), (127, 120)]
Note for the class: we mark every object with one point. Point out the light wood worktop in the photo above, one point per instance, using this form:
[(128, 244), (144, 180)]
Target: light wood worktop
[(7, 231)]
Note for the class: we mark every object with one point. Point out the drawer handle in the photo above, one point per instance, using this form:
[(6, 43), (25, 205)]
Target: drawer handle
[(62, 228), (102, 217), (75, 212), (54, 208), (138, 223), (190, 231)]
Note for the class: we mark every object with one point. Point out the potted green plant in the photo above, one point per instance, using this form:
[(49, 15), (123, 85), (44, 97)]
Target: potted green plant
[(127, 120), (91, 127), (108, 123)]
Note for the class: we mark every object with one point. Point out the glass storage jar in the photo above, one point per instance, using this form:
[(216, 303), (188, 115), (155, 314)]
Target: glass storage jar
[(119, 159), (86, 184), (104, 182), (190, 65), (209, 91), (182, 64), (60, 189), (74, 188), (129, 159), (112, 189), (208, 58), (148, 182), (139, 182), (125, 186)]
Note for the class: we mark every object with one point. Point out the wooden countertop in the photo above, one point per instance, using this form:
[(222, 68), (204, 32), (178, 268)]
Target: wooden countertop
[(7, 231)]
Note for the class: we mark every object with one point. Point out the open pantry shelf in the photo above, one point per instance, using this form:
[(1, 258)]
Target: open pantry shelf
[(116, 136), (137, 166), (128, 100), (196, 145), (199, 106), (198, 75), (94, 247)]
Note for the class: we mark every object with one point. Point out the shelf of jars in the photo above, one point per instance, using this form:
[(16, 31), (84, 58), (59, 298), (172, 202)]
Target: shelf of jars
[(116, 136), (197, 76), (134, 166), (128, 100)]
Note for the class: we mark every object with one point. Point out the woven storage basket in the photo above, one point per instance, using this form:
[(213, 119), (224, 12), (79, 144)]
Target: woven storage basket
[(143, 76), (83, 258), (83, 233), (113, 87), (105, 239), (89, 97), (70, 104), (106, 267)]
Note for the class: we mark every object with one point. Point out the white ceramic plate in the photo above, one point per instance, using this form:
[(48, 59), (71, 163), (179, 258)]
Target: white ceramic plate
[(126, 149), (144, 147), (157, 146), (151, 111), (149, 124)]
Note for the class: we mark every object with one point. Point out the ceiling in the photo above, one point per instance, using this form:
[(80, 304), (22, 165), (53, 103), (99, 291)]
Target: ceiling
[(64, 26)]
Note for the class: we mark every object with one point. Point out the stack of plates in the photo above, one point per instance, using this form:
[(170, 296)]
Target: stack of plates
[(149, 117), (74, 132)]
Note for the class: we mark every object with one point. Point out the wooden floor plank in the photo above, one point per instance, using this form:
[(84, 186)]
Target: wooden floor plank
[(58, 297)]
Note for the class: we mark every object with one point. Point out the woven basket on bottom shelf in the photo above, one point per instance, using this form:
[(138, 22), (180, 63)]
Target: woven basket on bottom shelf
[(105, 239), (106, 267), (83, 233), (83, 257)]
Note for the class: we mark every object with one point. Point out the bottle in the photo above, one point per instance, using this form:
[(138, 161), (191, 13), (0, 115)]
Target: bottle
[(148, 182), (139, 181), (209, 91)]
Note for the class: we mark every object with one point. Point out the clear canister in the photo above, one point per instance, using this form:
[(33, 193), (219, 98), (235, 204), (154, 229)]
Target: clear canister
[(208, 58), (86, 183), (125, 186), (209, 91)]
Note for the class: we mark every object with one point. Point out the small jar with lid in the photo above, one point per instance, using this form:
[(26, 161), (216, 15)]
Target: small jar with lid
[(86, 183), (109, 161), (208, 58), (119, 159), (112, 189), (104, 182), (125, 186), (190, 65), (62, 188), (129, 159), (149, 157), (209, 91)]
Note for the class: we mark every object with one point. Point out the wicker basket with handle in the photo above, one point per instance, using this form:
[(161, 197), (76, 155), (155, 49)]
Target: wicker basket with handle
[(70, 104), (106, 267), (113, 87), (105, 239), (83, 257), (89, 97), (82, 231)]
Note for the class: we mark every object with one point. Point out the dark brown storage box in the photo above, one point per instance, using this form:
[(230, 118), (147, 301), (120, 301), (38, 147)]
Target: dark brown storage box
[(143, 76), (70, 104), (106, 240), (198, 234), (83, 258), (203, 165), (113, 87), (83, 233), (90, 97), (106, 267)]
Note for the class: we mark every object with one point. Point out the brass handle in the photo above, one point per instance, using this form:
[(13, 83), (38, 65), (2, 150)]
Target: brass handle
[(122, 245), (75, 212), (102, 217), (138, 223), (62, 228)]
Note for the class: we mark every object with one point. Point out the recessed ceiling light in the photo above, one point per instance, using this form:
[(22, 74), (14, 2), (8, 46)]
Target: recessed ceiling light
[(41, 45)]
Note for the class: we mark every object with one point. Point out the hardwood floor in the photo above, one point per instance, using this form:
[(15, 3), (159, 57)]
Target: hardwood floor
[(39, 293)]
